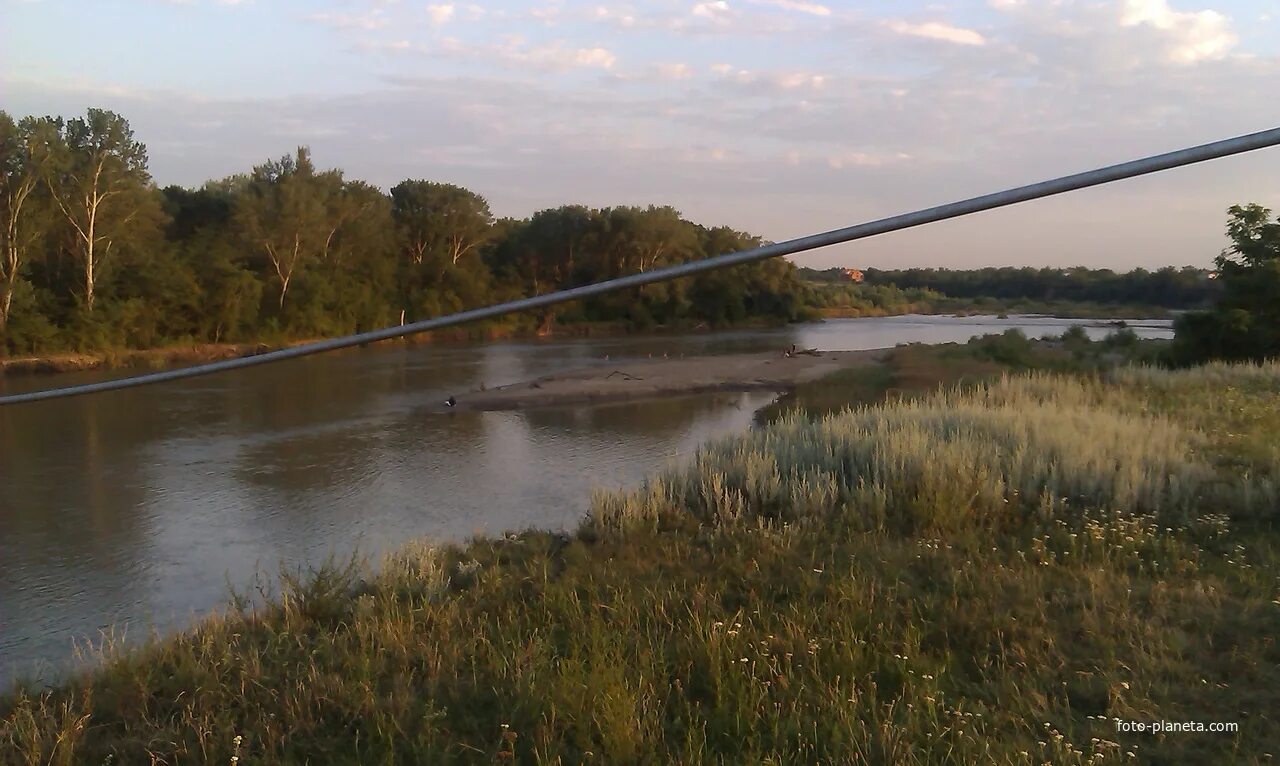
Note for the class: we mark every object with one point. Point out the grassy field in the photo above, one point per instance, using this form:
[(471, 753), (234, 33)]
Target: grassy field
[(992, 573)]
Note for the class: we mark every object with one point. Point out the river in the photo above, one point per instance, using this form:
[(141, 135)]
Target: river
[(138, 509)]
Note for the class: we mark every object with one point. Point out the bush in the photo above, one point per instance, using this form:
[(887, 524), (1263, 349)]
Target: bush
[(1012, 348)]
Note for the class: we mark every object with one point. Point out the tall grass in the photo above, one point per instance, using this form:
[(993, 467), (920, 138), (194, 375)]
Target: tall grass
[(987, 455), (987, 575)]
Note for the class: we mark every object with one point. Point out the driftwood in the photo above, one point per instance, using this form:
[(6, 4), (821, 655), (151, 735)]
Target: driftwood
[(626, 375)]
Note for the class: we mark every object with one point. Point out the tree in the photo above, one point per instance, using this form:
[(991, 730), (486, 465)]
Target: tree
[(97, 176), (654, 236), (21, 220), (1245, 325), (439, 222), (284, 214)]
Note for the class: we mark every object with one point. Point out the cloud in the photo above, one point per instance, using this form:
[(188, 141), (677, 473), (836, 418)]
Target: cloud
[(935, 30), (813, 9), (716, 10), (556, 56), (510, 52), (441, 14), (719, 18), (674, 71), (581, 57), (368, 22), (864, 159), (766, 82), (1193, 35)]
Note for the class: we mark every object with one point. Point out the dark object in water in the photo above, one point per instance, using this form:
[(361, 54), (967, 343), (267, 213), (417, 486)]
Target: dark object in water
[(451, 402)]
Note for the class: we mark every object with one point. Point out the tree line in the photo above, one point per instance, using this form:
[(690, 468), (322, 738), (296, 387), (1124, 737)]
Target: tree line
[(1169, 287), (96, 255)]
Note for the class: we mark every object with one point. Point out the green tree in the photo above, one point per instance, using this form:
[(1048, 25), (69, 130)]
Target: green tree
[(97, 175), (23, 220), (440, 222), (200, 227), (353, 286), (1246, 322), (284, 214)]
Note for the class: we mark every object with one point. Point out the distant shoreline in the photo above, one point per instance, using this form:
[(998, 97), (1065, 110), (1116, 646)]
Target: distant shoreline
[(199, 353)]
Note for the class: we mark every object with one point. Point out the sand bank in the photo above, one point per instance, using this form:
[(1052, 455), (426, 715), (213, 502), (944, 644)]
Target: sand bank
[(647, 378)]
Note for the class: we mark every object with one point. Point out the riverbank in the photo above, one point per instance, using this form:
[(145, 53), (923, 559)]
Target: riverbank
[(155, 358), (990, 576), (648, 378), (173, 356)]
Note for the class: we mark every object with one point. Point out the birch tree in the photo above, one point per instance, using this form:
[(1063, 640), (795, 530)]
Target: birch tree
[(98, 179), (283, 213), (22, 222), (440, 222), (655, 236)]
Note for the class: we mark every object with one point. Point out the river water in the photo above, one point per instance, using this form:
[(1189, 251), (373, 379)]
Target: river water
[(138, 509)]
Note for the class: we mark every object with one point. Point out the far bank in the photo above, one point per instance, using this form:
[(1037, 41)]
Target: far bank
[(174, 355)]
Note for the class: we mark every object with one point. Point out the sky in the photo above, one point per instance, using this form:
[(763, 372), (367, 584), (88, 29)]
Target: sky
[(778, 117)]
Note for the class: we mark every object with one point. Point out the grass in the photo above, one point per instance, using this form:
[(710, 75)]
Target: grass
[(915, 369), (991, 573)]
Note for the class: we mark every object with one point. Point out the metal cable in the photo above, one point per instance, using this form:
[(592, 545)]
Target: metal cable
[(1210, 151)]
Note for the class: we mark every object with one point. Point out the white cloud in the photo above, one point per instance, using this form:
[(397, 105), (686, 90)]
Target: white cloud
[(720, 18), (368, 22), (936, 30), (441, 14), (547, 14), (864, 159), (813, 9), (675, 71), (580, 57), (514, 51), (1193, 35), (716, 10)]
